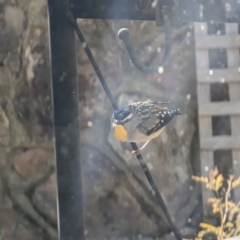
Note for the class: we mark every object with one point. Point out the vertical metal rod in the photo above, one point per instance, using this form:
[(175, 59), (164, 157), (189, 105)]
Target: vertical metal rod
[(66, 124)]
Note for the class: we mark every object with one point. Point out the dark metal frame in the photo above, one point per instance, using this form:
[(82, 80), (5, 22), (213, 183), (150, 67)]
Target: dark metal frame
[(181, 11), (62, 28), (66, 124)]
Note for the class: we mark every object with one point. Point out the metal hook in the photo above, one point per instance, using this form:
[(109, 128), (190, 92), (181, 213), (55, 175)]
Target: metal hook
[(123, 34)]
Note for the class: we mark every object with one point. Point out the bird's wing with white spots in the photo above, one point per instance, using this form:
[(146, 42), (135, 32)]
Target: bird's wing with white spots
[(156, 122)]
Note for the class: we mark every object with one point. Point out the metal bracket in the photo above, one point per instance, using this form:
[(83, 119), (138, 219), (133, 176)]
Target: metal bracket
[(161, 15)]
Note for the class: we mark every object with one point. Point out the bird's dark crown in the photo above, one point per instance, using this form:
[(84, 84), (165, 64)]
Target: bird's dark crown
[(121, 114)]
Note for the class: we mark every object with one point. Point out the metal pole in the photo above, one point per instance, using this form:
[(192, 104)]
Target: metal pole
[(66, 123)]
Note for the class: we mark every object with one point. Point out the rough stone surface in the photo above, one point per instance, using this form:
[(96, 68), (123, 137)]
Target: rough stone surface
[(14, 19), (45, 199), (27, 164)]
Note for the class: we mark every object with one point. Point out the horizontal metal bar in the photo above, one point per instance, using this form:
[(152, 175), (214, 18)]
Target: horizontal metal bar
[(219, 108), (182, 11), (108, 9)]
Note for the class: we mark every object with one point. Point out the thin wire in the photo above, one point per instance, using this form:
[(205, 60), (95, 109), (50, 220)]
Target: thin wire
[(115, 107)]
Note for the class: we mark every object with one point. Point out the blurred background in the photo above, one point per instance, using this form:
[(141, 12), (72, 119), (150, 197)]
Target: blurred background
[(118, 202)]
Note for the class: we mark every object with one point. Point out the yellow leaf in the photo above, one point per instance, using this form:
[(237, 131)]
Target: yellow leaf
[(203, 232), (208, 227), (200, 179), (209, 186), (236, 182), (231, 204), (213, 200), (216, 210), (229, 225), (219, 182)]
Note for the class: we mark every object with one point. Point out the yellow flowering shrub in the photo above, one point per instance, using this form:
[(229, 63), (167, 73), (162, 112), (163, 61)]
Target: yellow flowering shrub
[(222, 206)]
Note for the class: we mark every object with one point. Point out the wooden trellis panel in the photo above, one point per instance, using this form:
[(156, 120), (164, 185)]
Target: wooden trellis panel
[(207, 109)]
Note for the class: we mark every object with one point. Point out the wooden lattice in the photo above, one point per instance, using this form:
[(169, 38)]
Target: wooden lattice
[(230, 75)]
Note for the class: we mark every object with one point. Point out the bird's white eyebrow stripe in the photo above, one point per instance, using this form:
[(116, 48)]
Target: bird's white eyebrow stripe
[(128, 117)]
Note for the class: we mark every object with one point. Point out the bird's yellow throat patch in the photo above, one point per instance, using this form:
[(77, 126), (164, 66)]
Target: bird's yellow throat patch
[(119, 132)]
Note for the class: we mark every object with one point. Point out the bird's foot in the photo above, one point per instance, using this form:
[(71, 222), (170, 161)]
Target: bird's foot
[(137, 152)]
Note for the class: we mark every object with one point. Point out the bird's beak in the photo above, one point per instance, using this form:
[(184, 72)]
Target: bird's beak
[(115, 123)]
